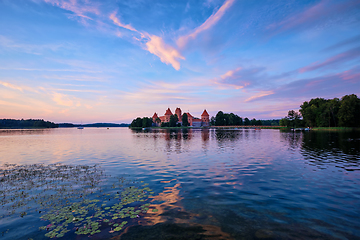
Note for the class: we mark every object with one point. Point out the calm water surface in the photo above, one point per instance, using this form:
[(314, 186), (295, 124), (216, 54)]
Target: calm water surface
[(223, 184)]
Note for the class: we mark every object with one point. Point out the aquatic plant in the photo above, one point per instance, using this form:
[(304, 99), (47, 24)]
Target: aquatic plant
[(71, 198)]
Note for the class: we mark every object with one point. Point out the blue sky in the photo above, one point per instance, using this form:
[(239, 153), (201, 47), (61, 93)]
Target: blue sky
[(112, 61)]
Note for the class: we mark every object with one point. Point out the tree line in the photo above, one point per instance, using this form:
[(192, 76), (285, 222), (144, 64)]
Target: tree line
[(148, 122), (221, 119), (28, 123), (231, 119), (320, 112), (141, 122)]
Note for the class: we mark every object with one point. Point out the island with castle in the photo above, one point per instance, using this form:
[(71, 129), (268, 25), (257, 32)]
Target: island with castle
[(193, 121)]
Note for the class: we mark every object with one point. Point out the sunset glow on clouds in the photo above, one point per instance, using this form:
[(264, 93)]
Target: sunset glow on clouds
[(108, 61)]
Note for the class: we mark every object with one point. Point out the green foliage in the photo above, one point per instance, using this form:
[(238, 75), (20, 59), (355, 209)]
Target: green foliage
[(142, 122), (349, 111), (71, 198), (184, 120), (212, 121), (219, 119), (321, 112), (284, 122), (293, 119), (173, 120), (165, 124), (29, 123), (225, 119), (273, 122), (246, 122)]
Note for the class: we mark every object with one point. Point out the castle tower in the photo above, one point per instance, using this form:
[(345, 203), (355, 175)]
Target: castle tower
[(205, 118), (178, 113), (167, 115), (154, 117)]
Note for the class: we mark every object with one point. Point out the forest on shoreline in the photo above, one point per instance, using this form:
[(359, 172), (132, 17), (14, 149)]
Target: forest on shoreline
[(320, 112), (28, 123)]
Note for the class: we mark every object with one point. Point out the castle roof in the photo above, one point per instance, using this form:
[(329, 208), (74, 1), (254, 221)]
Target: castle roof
[(197, 120), (205, 113), (189, 115), (168, 112), (155, 115)]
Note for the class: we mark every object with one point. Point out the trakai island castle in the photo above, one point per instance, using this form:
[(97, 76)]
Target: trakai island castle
[(193, 121)]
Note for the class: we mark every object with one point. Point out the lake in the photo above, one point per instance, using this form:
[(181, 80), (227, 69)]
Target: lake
[(119, 183)]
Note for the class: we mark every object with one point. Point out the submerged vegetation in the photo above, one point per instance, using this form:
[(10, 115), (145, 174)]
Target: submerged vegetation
[(71, 199)]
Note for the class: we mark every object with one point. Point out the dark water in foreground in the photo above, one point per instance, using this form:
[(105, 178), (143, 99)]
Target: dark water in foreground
[(203, 184)]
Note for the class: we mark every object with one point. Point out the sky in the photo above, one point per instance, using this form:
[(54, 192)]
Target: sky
[(112, 61)]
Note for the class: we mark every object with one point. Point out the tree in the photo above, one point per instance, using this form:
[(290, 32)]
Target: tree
[(136, 122), (173, 120), (146, 122), (284, 122), (184, 120), (212, 121), (321, 112), (219, 119), (294, 118), (333, 107), (349, 111), (253, 122), (246, 122), (164, 124)]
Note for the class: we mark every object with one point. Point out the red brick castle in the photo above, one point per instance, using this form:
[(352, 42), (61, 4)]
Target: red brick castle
[(193, 121)]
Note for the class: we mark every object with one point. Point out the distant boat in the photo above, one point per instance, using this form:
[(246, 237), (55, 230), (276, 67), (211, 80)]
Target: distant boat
[(80, 127)]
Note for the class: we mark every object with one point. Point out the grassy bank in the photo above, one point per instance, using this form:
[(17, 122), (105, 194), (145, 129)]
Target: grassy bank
[(262, 127), (335, 129), (139, 128), (219, 127)]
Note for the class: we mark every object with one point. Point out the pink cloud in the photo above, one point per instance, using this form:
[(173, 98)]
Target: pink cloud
[(350, 75), (211, 21), (166, 53), (337, 59), (9, 85), (313, 14), (80, 8), (240, 78), (259, 95), (120, 24), (154, 45)]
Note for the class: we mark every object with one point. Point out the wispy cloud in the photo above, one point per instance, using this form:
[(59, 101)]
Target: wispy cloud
[(120, 24), (333, 61), (240, 77), (81, 8), (328, 86), (49, 70), (259, 95), (166, 53), (9, 44), (350, 41), (154, 44), (62, 99), (9, 85), (80, 78), (312, 15), (211, 21)]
